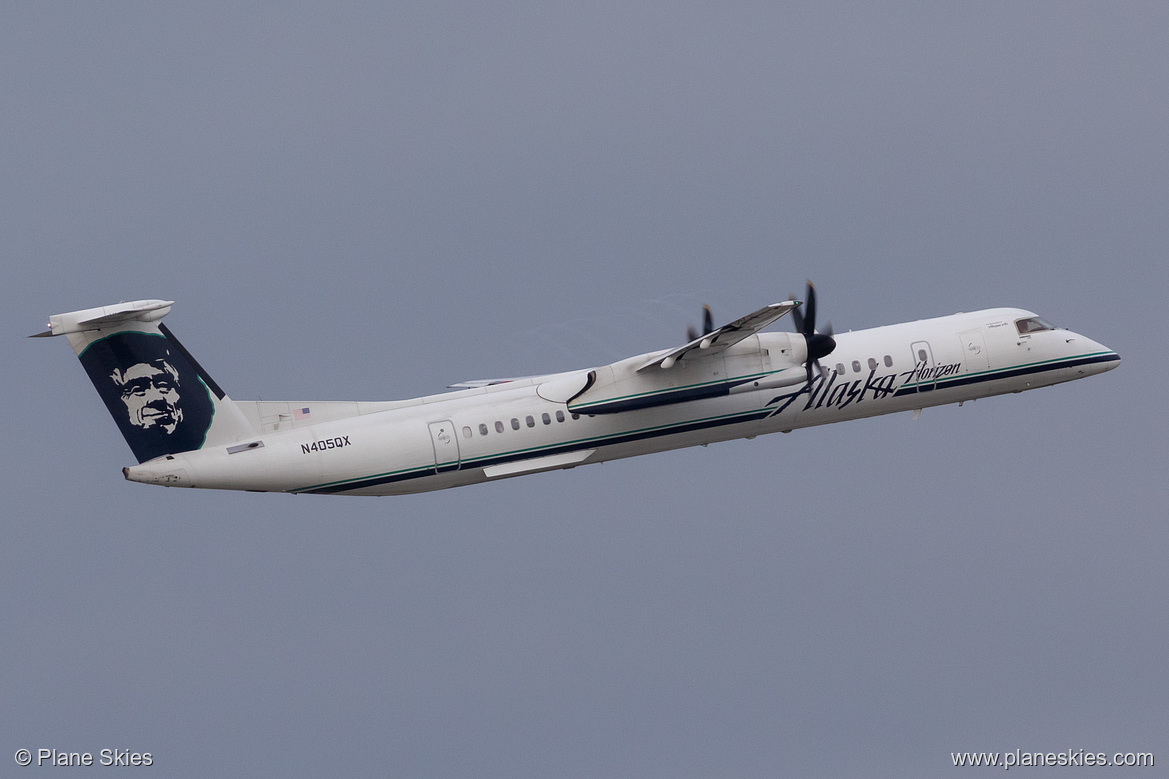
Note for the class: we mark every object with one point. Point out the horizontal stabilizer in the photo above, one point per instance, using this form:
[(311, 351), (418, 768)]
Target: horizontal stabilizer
[(106, 317)]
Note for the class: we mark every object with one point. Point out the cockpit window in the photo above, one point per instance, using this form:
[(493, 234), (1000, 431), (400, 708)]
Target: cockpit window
[(1033, 324)]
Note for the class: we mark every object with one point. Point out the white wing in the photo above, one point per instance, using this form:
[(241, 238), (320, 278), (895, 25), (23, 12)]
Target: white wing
[(723, 338)]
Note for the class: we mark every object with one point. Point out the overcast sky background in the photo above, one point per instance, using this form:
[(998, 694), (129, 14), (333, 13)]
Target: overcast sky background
[(371, 203)]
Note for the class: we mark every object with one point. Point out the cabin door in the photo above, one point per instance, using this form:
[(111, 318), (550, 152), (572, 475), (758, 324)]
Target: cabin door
[(974, 351), (446, 446), (923, 358)]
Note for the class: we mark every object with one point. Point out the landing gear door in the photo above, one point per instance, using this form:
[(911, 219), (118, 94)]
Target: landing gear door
[(923, 358), (446, 445)]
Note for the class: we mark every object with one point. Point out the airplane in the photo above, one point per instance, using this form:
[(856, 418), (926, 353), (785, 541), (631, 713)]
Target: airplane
[(724, 383)]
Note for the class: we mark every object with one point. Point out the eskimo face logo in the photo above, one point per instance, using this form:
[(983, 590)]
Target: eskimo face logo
[(151, 394), (152, 391)]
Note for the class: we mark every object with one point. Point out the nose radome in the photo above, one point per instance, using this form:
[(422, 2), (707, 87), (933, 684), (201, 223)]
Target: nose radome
[(1096, 354)]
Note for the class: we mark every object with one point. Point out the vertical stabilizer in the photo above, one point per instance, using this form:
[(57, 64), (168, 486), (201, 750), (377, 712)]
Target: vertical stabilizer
[(160, 397)]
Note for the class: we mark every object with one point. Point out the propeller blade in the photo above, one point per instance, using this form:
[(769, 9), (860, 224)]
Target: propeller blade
[(820, 344), (707, 325), (797, 316), (810, 312)]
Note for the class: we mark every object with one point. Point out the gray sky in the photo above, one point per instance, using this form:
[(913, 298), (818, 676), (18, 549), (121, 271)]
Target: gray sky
[(371, 203)]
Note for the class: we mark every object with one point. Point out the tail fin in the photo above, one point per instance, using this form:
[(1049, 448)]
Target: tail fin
[(161, 398)]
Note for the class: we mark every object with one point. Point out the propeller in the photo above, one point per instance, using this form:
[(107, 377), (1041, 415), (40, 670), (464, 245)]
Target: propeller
[(819, 344), (707, 325)]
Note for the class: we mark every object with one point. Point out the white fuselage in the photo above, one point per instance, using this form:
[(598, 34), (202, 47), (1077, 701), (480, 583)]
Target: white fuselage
[(513, 428)]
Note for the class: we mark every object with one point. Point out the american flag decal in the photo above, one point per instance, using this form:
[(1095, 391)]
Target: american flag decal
[(300, 413)]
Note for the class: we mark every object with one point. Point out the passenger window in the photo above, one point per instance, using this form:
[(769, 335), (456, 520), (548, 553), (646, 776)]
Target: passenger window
[(466, 432), (515, 424), (499, 427), (839, 369), (559, 415), (482, 429), (856, 366), (888, 361), (921, 356), (531, 422), (545, 418), (575, 417), (872, 364)]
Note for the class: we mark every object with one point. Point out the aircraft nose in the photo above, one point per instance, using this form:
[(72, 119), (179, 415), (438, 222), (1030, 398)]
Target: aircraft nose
[(1105, 362), (1096, 356)]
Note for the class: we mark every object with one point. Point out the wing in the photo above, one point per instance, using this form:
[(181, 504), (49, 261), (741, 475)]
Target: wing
[(723, 338), (477, 383)]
